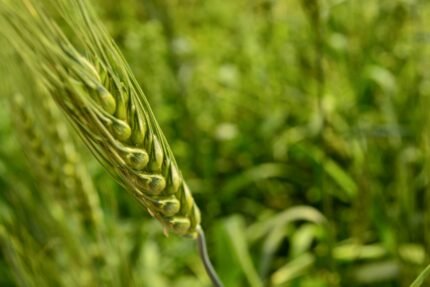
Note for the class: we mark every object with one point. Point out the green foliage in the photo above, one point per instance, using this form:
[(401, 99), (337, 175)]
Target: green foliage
[(301, 127)]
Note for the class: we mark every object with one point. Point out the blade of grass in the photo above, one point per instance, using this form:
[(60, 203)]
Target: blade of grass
[(421, 277), (235, 230)]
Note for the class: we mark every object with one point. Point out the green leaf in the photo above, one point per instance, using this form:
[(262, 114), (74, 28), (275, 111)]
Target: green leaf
[(420, 279)]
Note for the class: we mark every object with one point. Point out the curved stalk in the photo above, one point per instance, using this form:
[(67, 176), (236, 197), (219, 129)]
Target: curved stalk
[(203, 251)]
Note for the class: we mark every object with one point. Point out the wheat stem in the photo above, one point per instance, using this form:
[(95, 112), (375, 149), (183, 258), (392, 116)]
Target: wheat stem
[(203, 252)]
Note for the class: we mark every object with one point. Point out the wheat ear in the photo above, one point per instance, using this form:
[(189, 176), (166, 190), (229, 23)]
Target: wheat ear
[(104, 102), (52, 156), (108, 109)]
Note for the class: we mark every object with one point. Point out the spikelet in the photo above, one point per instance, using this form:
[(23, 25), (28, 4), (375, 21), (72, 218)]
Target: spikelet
[(103, 101)]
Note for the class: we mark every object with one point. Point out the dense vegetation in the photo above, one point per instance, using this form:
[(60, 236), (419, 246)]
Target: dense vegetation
[(301, 128)]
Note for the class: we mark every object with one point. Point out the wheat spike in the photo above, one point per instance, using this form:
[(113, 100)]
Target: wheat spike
[(52, 157), (103, 101)]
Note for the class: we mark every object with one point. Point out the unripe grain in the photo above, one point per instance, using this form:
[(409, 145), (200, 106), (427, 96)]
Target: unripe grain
[(137, 159)]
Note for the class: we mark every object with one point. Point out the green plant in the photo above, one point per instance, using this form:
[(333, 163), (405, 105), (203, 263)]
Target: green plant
[(103, 101), (280, 114)]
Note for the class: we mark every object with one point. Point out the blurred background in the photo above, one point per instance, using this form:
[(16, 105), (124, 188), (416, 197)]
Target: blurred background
[(301, 127)]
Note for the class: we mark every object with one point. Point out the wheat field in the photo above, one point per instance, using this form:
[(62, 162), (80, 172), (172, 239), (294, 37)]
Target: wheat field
[(295, 133)]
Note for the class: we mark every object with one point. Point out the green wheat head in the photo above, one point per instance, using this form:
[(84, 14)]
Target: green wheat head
[(85, 74)]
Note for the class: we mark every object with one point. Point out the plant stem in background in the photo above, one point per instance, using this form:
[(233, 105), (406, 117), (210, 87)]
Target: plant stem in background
[(421, 277)]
